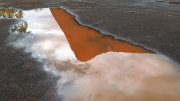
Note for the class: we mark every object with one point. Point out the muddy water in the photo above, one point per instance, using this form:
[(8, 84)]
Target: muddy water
[(87, 42)]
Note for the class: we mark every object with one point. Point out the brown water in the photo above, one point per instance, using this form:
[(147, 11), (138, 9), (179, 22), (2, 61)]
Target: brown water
[(87, 42)]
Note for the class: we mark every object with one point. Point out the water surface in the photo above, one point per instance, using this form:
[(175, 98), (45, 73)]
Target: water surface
[(107, 76)]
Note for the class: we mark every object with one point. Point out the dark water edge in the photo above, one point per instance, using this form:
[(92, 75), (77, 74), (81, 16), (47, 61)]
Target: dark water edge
[(22, 78)]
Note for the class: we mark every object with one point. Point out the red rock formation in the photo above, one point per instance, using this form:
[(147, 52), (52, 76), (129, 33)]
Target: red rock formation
[(87, 42)]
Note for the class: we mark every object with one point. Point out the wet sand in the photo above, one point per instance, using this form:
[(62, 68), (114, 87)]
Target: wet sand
[(87, 42)]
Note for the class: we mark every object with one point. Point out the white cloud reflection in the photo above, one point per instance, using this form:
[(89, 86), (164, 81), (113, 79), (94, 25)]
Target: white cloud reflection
[(112, 76)]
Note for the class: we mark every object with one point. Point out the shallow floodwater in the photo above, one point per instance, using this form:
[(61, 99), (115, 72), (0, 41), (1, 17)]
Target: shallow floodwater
[(110, 76)]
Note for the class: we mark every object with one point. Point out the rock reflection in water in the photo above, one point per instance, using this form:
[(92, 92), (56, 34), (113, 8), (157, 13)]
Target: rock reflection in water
[(19, 28), (87, 42), (110, 76), (12, 13)]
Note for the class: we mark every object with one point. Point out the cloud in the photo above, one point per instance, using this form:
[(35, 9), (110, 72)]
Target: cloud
[(123, 77), (111, 76)]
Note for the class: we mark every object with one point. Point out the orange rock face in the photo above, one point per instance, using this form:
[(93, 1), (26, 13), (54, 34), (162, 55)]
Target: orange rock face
[(87, 42)]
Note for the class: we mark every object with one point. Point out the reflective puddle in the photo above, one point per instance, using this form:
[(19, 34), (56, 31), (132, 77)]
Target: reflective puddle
[(93, 67)]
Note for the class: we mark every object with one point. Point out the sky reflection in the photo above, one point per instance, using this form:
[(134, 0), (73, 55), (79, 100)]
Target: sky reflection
[(110, 76)]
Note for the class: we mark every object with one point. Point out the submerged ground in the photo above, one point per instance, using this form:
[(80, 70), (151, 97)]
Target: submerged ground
[(32, 71)]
